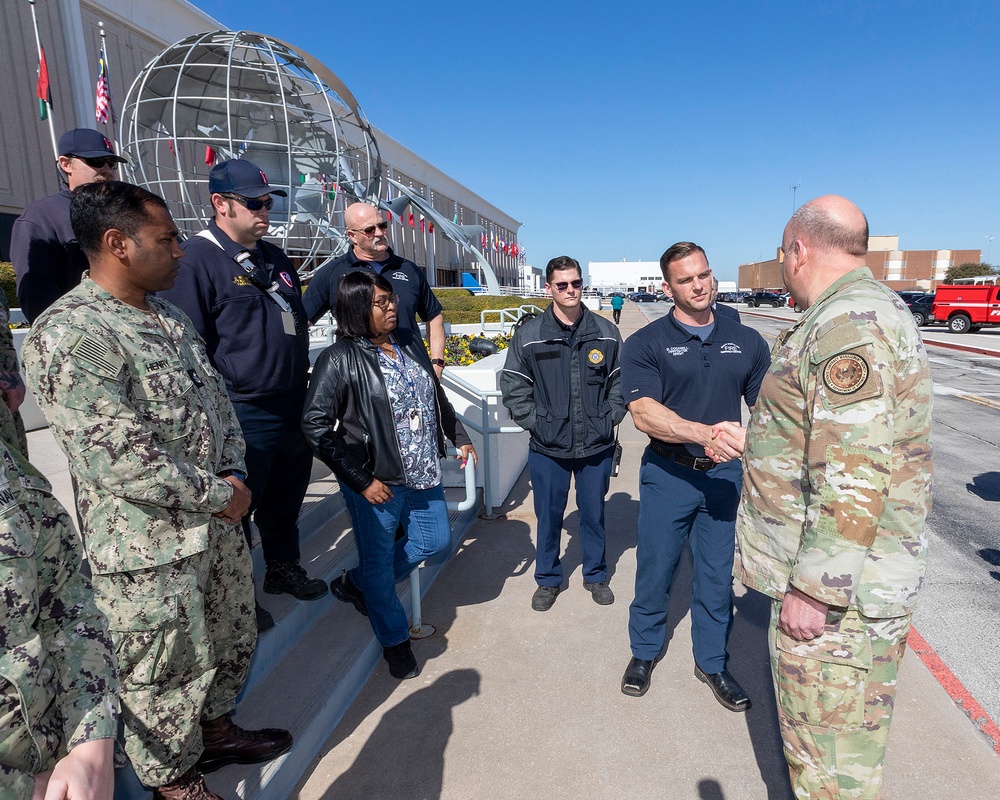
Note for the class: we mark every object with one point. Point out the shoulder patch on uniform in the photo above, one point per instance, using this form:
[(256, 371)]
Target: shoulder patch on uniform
[(848, 377), (845, 373), (95, 355)]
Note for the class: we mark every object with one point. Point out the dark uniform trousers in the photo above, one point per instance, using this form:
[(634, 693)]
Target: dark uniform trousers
[(550, 489), (279, 464), (676, 501)]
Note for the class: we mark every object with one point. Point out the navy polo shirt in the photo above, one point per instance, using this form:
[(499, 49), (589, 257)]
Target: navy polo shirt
[(700, 381), (407, 279)]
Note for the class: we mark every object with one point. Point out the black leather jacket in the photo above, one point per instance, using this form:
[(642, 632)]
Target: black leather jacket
[(347, 391)]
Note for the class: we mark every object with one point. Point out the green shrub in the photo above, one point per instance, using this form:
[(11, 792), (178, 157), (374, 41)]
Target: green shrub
[(465, 309), (8, 283)]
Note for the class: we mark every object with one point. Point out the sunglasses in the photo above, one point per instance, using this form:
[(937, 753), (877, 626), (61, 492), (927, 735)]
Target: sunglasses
[(252, 203), (99, 163), (564, 285), (385, 301), (383, 225)]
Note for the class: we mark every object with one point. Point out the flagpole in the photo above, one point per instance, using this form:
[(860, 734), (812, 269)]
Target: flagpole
[(38, 47), (107, 75)]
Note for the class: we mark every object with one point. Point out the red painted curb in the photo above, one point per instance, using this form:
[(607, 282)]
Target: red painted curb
[(955, 689), (965, 348)]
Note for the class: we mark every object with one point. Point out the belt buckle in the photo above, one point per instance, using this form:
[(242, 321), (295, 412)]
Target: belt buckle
[(703, 464)]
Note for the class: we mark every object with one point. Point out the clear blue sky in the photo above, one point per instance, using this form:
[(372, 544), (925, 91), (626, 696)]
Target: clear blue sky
[(612, 130)]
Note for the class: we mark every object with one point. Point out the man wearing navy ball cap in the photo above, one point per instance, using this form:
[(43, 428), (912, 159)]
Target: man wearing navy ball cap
[(47, 261), (243, 296)]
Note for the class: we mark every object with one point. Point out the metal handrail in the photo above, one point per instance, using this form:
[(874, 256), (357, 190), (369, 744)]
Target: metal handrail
[(507, 316), (417, 628), (483, 427)]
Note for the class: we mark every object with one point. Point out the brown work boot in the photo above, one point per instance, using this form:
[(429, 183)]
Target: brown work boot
[(189, 786), (227, 743)]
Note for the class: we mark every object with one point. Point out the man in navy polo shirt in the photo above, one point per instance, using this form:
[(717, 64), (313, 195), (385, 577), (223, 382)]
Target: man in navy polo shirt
[(683, 377), (370, 250), (47, 260), (244, 298)]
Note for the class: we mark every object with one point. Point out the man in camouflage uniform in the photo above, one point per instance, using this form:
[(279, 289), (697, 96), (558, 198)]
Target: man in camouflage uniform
[(12, 389), (157, 455), (836, 489), (58, 709)]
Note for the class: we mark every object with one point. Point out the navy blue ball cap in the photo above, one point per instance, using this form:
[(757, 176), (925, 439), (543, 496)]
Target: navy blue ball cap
[(241, 177), (87, 143)]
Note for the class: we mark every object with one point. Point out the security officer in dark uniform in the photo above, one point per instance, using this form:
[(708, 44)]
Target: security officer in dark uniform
[(683, 377), (244, 297), (370, 250), (561, 382), (47, 260)]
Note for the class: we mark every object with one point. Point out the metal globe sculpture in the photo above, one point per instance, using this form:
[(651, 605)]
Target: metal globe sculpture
[(237, 94)]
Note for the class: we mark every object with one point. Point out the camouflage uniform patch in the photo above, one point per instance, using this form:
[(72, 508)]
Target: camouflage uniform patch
[(836, 490), (147, 426), (57, 669)]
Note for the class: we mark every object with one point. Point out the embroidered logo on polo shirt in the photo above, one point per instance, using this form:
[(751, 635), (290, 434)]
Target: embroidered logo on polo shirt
[(241, 280), (677, 351), (399, 275), (730, 347), (595, 356), (287, 279)]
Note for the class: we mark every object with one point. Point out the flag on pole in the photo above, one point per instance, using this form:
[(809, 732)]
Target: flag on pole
[(44, 90), (103, 106), (209, 155)]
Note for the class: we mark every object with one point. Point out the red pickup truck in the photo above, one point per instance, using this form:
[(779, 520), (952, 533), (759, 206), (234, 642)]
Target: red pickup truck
[(967, 307)]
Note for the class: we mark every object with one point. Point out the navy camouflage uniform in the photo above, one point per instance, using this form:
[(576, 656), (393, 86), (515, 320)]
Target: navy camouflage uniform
[(147, 427)]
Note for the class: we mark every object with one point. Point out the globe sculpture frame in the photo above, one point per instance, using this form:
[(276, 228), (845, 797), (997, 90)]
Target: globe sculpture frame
[(239, 94)]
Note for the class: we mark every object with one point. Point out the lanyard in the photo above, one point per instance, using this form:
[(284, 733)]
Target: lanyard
[(244, 259), (402, 365)]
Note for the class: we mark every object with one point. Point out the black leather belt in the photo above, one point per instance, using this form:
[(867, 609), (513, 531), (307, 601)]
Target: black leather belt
[(662, 450)]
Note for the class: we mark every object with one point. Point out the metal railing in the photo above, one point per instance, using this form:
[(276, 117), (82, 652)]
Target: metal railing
[(508, 317), (418, 630), (483, 427)]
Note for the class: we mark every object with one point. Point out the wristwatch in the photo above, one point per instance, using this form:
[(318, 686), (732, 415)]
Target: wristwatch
[(437, 362), (240, 476)]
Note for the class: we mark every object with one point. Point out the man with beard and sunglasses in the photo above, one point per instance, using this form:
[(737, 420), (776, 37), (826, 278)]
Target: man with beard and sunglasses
[(561, 383), (244, 297), (366, 229)]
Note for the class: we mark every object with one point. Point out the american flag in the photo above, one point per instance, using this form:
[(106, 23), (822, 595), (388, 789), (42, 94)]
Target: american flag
[(103, 93)]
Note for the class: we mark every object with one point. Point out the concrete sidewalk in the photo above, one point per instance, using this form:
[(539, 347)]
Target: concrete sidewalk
[(513, 703)]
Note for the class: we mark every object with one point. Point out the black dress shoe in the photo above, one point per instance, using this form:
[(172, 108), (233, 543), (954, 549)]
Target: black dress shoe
[(727, 691), (635, 681)]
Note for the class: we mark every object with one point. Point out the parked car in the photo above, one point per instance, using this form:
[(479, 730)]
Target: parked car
[(643, 297), (758, 299), (922, 308)]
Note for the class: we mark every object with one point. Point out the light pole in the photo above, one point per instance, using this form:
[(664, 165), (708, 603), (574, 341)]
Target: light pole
[(989, 243), (794, 187)]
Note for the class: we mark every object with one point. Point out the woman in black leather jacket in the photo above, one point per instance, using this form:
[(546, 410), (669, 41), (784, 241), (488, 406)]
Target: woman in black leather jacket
[(377, 416)]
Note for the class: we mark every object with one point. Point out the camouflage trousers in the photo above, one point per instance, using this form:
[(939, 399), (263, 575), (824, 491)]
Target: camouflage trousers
[(183, 633), (835, 698)]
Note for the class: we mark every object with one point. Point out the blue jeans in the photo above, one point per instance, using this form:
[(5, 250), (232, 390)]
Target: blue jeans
[(550, 490), (385, 561), (676, 502)]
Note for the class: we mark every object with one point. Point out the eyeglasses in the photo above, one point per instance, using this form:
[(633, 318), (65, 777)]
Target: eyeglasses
[(252, 203), (385, 301), (383, 225), (564, 285), (99, 163)]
